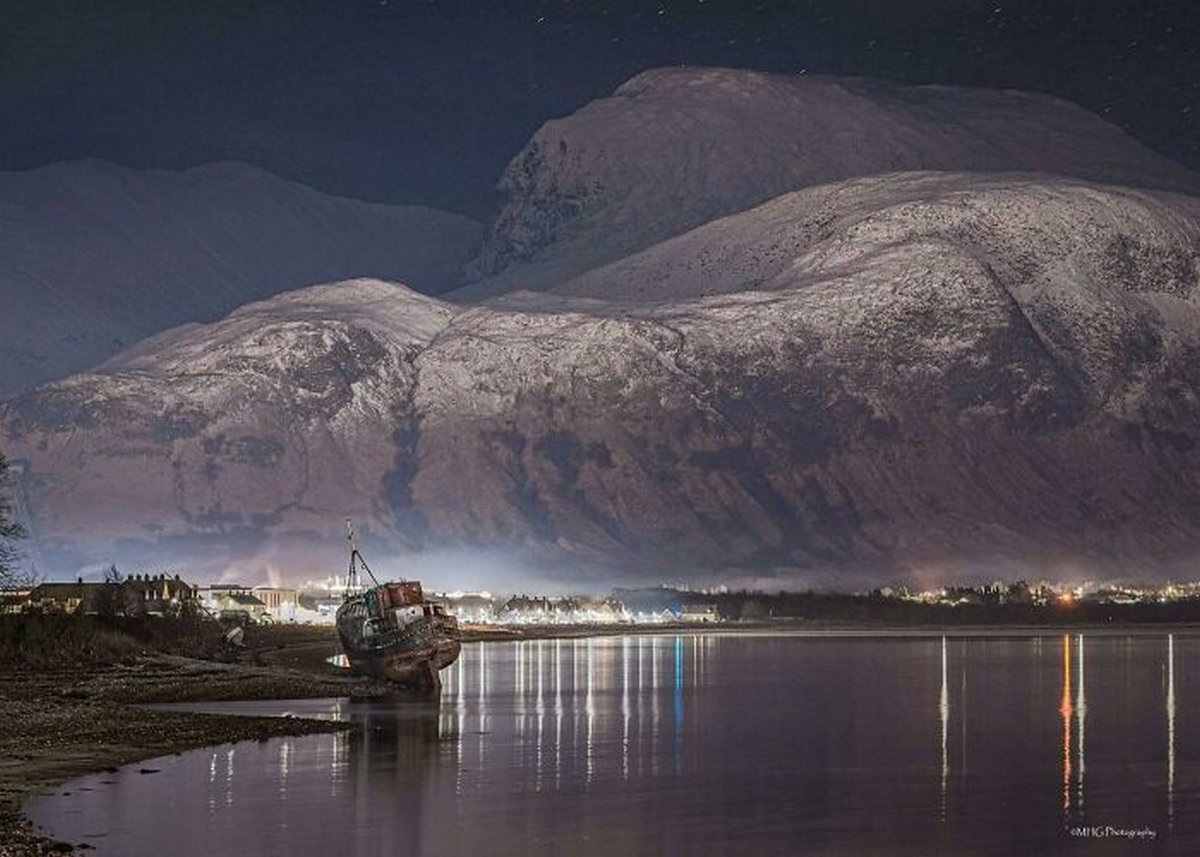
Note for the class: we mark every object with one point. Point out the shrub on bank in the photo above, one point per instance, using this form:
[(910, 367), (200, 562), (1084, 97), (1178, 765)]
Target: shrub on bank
[(55, 639)]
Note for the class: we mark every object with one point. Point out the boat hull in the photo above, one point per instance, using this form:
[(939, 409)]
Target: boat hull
[(411, 655)]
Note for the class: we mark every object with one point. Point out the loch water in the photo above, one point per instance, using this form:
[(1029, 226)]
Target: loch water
[(703, 744)]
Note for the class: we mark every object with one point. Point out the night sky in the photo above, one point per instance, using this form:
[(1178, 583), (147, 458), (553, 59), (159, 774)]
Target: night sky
[(424, 102)]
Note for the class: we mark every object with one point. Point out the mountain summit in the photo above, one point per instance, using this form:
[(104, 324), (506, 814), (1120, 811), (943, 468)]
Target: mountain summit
[(675, 148)]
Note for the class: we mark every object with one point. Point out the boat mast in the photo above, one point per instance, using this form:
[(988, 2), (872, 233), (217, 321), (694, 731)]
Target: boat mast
[(352, 582), (352, 573)]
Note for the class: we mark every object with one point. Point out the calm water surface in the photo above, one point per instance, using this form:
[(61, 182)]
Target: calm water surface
[(707, 744)]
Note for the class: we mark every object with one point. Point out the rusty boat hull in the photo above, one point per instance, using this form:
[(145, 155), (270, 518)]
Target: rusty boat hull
[(406, 657), (390, 632)]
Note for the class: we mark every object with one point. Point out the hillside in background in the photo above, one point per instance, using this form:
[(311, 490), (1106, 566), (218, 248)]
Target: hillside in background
[(932, 376), (675, 148), (94, 257)]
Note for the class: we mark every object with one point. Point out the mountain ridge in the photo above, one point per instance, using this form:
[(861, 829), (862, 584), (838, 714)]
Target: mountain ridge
[(95, 256), (922, 388), (674, 148)]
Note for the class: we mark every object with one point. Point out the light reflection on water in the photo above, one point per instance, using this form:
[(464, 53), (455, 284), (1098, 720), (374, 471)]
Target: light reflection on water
[(1066, 711), (1170, 725), (705, 744)]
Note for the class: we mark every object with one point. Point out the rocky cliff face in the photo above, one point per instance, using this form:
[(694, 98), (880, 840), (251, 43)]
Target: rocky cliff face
[(675, 148), (910, 374), (279, 418), (94, 257)]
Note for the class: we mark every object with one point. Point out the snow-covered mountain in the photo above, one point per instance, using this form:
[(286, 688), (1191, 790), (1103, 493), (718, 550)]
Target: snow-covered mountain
[(94, 257), (675, 148), (930, 374)]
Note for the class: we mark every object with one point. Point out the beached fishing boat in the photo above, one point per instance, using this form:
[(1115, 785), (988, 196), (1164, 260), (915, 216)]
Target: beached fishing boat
[(391, 631)]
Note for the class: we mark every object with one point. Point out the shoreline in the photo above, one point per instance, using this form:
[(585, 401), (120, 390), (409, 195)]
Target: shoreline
[(804, 627), (59, 724)]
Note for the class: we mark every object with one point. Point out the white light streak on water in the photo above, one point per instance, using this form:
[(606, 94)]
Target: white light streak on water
[(944, 712), (590, 709), (625, 708), (1081, 723), (1171, 730)]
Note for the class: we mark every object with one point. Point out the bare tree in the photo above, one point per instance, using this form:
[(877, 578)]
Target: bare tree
[(109, 600), (11, 574)]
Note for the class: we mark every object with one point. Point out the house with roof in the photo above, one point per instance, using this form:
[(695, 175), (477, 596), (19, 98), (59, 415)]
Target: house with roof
[(700, 613), (233, 602), (15, 599), (137, 595)]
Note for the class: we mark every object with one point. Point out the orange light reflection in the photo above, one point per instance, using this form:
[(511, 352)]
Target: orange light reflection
[(1066, 710)]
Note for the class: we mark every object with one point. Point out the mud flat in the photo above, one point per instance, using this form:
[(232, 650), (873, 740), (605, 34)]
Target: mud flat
[(62, 722), (65, 720)]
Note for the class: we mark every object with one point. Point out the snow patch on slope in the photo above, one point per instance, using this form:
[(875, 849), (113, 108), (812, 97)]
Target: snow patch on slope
[(672, 149), (94, 257), (925, 378)]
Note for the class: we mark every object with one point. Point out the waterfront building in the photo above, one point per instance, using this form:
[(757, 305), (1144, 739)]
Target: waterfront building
[(234, 602), (567, 610), (64, 597), (699, 613), (276, 599), (15, 600), (284, 604), (137, 595), (478, 608)]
